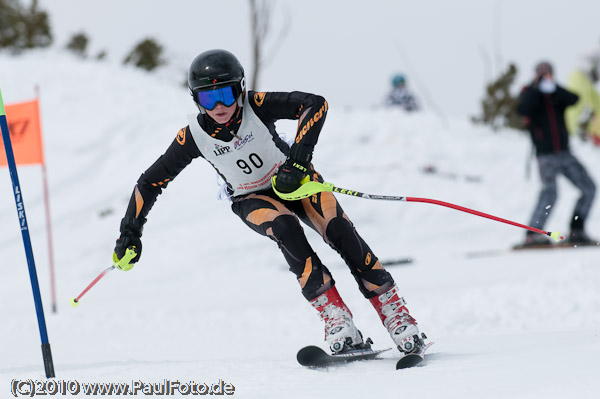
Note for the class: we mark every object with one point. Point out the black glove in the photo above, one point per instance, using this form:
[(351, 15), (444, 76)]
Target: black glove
[(289, 176), (294, 168), (131, 232)]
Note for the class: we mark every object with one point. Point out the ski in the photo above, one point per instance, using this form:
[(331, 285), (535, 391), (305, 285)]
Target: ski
[(412, 359), (433, 170), (524, 248), (315, 357), (395, 261), (560, 245)]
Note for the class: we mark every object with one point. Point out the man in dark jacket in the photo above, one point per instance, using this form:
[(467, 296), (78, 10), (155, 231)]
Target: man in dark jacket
[(543, 102)]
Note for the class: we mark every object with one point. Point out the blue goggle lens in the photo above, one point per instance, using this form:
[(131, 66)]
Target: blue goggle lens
[(209, 99)]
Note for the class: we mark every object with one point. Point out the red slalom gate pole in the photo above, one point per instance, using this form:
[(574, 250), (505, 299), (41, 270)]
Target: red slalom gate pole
[(47, 207), (49, 238)]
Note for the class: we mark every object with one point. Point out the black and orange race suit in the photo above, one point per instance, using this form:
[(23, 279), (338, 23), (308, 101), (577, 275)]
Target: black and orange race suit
[(263, 211)]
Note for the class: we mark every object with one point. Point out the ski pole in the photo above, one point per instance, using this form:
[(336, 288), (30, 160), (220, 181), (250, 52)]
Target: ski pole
[(24, 227), (309, 188), (129, 254)]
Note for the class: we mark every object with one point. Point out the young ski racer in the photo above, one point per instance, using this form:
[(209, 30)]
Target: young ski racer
[(235, 132)]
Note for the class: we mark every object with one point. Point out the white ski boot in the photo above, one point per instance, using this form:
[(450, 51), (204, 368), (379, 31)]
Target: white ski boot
[(399, 323), (340, 332)]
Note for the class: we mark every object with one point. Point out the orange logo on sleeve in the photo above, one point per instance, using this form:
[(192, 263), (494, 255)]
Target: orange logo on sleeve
[(314, 119), (259, 98), (181, 136)]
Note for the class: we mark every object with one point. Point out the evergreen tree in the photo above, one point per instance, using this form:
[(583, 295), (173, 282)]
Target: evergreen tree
[(146, 55), (78, 44), (499, 107), (10, 12), (23, 28)]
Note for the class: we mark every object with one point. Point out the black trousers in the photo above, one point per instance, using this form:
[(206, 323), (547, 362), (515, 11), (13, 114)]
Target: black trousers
[(268, 215), (552, 165)]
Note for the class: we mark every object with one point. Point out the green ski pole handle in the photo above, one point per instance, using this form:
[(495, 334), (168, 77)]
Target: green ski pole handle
[(123, 263)]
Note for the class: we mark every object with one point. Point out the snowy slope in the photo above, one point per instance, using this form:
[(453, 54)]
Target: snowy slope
[(211, 300)]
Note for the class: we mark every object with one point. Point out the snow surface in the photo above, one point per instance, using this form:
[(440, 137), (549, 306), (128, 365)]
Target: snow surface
[(212, 300)]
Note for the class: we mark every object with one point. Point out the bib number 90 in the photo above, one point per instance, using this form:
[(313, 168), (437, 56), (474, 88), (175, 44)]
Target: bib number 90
[(254, 160)]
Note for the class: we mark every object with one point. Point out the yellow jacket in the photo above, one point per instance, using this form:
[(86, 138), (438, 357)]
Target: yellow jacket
[(582, 85)]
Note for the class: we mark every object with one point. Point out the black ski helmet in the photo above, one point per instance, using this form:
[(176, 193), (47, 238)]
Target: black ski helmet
[(213, 69)]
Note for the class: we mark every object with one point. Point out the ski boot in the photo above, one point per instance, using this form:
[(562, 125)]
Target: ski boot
[(340, 332), (399, 323), (579, 237), (535, 240)]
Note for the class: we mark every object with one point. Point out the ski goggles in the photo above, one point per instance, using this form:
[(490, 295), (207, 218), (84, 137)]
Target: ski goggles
[(209, 99)]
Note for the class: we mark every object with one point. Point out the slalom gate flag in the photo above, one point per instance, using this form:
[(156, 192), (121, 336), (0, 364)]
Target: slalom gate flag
[(24, 124), (25, 133), (35, 288)]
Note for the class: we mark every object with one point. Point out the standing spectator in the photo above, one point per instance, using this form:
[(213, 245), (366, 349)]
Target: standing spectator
[(400, 95), (583, 119), (544, 102)]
